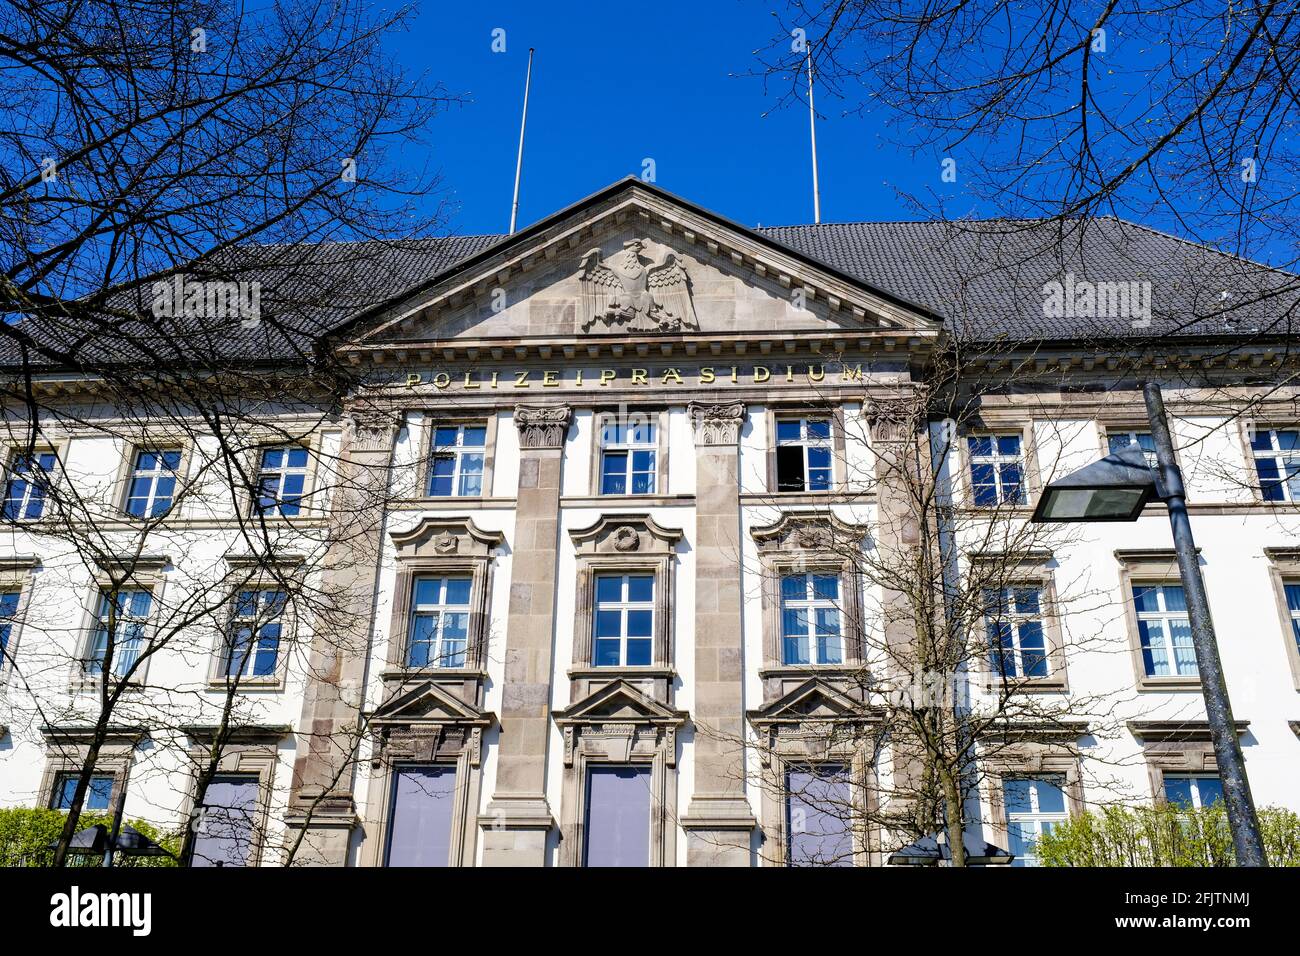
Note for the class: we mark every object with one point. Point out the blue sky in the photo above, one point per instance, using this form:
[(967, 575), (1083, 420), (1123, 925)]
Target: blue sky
[(616, 84)]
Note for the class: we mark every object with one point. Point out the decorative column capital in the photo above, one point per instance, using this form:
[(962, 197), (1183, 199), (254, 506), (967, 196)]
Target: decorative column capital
[(542, 426), (372, 429), (892, 419), (718, 424)]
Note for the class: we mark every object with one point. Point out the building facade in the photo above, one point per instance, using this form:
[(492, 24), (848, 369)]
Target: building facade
[(592, 615)]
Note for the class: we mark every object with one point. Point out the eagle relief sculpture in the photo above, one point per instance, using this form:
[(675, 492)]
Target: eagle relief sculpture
[(632, 292)]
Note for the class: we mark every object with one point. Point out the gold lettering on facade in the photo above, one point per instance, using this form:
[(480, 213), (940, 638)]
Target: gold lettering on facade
[(706, 376), (607, 375), (673, 375), (521, 379), (441, 380), (413, 378), (470, 383), (638, 376), (852, 374), (494, 379), (550, 378), (818, 375), (761, 374)]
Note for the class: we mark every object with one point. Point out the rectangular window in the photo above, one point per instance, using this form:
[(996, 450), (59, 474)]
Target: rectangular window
[(253, 646), (1013, 619), (819, 808), (152, 485), (456, 461), (810, 619), (1193, 791), (419, 831), (99, 794), (1165, 631), (226, 828), (125, 615), (1034, 806), (803, 454), (996, 470), (1277, 463), (1119, 441), (281, 480), (617, 831), (8, 611), (627, 456), (623, 628), (1292, 605), (439, 622), (28, 481)]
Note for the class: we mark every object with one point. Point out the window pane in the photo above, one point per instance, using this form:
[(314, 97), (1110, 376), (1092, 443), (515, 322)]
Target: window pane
[(826, 587), (1174, 598), (818, 812), (980, 445), (787, 430), (607, 623), (638, 652), (607, 654), (618, 817), (1008, 444), (1210, 789), (638, 623), (457, 592), (789, 468), (1178, 791), (640, 587), (420, 820), (794, 587), (475, 436), (226, 828), (609, 587), (819, 428)]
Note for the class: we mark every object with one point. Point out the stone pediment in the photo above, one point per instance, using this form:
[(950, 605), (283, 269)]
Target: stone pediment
[(440, 536), (815, 532), (813, 700), (427, 703), (618, 702), (630, 260)]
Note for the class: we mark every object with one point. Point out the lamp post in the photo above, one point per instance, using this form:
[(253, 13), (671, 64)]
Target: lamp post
[(1117, 488)]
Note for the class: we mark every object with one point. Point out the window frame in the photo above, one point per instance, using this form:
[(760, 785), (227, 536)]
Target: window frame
[(1038, 817), (66, 749), (810, 602), (1026, 569), (1194, 777), (248, 750), (222, 676), (784, 412), (625, 605), (307, 507), (442, 608), (1256, 482), (16, 576), (430, 420), (99, 595), (133, 451), (148, 574), (1143, 568), (997, 459), (660, 420), (1032, 758), (1283, 570), (43, 447)]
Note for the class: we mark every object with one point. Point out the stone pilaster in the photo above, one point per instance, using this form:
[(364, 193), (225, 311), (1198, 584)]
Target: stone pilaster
[(718, 821), (518, 818), (321, 801)]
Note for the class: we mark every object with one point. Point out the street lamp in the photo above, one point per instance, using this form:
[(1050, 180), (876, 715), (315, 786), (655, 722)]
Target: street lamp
[(1117, 488)]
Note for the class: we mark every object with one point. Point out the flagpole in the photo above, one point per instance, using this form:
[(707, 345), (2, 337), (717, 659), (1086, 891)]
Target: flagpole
[(523, 124), (812, 133)]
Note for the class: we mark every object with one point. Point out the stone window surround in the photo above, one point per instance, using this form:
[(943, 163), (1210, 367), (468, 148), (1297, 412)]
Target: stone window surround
[(432, 418), (1176, 746), (253, 573), (58, 445), (147, 441), (1148, 566), (149, 574), (605, 547), (1268, 417), (996, 424), (453, 744), (261, 438), (1283, 569), (17, 573), (1036, 759), (659, 416), (247, 751), (1128, 422), (66, 749), (438, 546), (620, 741), (778, 410), (1032, 568), (792, 746), (780, 552)]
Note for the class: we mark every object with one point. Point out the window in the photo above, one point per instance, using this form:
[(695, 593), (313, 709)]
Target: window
[(819, 804), (1292, 606), (617, 831), (1119, 441), (127, 614), (254, 642), (1164, 630), (1034, 806), (8, 611), (456, 462), (810, 619), (624, 620), (29, 480), (226, 828), (1013, 618), (627, 456), (281, 480), (99, 794), (1277, 463), (419, 832), (996, 470), (152, 485), (1193, 791), (439, 622), (803, 454)]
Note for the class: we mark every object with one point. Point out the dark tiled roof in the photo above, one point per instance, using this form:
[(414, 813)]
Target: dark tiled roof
[(985, 279)]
